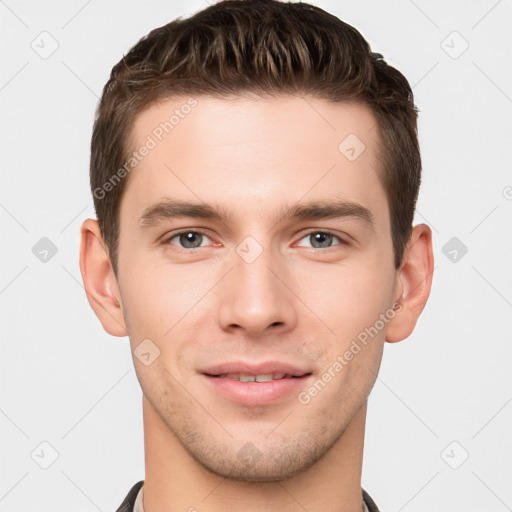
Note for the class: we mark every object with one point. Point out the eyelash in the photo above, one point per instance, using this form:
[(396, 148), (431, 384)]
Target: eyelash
[(168, 239)]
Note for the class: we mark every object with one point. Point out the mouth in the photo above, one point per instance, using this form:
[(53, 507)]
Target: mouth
[(255, 385), (264, 377)]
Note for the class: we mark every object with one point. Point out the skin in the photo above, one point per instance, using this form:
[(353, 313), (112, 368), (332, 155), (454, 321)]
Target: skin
[(298, 301)]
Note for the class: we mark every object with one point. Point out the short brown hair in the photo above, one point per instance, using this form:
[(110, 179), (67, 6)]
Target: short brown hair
[(266, 47)]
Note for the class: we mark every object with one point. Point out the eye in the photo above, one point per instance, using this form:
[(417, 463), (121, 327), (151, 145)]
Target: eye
[(188, 239), (323, 239)]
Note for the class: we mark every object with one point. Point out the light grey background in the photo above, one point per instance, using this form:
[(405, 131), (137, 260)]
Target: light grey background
[(441, 395)]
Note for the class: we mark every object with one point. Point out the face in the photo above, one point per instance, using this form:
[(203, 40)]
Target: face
[(277, 274)]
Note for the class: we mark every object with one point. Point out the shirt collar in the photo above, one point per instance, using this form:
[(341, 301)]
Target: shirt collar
[(139, 507)]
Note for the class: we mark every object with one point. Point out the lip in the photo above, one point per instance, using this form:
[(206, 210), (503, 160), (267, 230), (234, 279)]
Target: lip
[(256, 393)]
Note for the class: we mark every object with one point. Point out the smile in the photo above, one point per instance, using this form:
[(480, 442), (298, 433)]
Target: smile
[(266, 377)]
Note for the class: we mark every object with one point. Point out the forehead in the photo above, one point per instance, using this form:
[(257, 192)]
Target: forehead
[(244, 151)]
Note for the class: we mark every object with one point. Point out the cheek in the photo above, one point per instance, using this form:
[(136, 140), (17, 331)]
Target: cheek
[(347, 297), (163, 303), (158, 295)]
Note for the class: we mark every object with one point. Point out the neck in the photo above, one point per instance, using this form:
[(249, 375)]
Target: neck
[(175, 481)]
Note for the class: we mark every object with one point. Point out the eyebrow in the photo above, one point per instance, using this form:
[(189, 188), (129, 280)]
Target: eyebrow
[(318, 210)]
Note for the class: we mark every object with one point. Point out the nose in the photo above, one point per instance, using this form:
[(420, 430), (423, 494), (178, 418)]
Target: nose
[(256, 295)]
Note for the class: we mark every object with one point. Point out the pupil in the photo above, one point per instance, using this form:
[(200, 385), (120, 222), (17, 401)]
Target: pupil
[(188, 238), (322, 238)]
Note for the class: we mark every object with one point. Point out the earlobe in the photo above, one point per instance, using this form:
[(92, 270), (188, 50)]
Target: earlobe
[(99, 279), (415, 277)]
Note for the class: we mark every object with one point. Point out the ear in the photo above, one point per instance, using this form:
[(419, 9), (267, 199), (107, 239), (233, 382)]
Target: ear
[(414, 283), (99, 280)]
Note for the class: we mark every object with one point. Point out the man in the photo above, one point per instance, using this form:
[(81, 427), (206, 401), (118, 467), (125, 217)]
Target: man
[(255, 170)]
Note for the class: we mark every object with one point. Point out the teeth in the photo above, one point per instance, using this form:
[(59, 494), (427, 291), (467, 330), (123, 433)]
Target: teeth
[(264, 378), (258, 378)]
